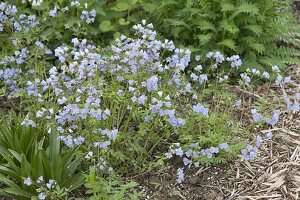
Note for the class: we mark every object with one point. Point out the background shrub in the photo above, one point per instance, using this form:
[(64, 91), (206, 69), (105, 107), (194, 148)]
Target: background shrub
[(261, 31)]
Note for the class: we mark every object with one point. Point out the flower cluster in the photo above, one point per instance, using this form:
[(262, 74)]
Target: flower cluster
[(251, 151), (235, 61), (190, 156), (44, 187), (35, 3), (18, 57), (10, 77), (70, 141), (200, 109), (102, 165), (257, 117), (292, 106), (217, 57), (88, 16), (7, 13), (23, 22)]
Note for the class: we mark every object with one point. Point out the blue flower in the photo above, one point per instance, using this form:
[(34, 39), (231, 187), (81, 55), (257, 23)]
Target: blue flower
[(142, 99), (194, 77), (197, 57), (200, 109), (179, 151), (255, 115), (202, 78), (275, 68), (278, 80), (176, 121), (89, 17), (259, 141), (246, 79), (235, 61), (42, 196), (152, 83), (238, 103), (266, 75), (186, 161), (224, 146), (28, 181), (287, 79), (274, 119), (180, 175), (53, 12), (213, 150), (269, 136), (169, 155)]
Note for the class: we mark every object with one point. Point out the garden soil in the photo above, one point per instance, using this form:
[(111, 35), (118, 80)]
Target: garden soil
[(273, 175)]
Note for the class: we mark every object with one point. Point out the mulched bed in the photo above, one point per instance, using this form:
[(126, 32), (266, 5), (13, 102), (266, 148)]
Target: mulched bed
[(273, 175)]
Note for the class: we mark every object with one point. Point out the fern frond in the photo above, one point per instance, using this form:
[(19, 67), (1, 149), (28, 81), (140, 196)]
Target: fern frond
[(256, 29), (228, 43), (250, 8), (206, 25), (204, 38), (229, 27), (225, 7)]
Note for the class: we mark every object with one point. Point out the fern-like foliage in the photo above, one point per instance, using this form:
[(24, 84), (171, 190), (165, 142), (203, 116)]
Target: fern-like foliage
[(262, 31)]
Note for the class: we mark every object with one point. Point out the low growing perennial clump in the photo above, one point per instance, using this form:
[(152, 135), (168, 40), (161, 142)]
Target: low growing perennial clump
[(118, 109)]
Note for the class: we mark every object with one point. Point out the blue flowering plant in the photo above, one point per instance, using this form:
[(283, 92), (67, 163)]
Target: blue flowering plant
[(130, 104)]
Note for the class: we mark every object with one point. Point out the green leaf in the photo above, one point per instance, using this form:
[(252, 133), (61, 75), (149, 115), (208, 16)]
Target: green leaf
[(18, 192), (129, 185), (228, 43), (37, 164), (16, 155), (122, 6), (204, 39), (46, 163), (225, 7), (6, 155), (49, 31), (229, 27), (105, 26), (74, 181), (117, 34), (9, 172), (206, 25), (250, 8), (255, 29), (54, 146), (7, 181), (132, 2), (25, 167), (122, 21), (260, 48), (175, 22)]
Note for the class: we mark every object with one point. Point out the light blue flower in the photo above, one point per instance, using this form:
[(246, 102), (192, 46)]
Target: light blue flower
[(180, 175), (152, 83), (224, 146), (198, 108)]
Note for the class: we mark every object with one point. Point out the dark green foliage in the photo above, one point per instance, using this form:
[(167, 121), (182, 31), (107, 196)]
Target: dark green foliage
[(109, 187), (261, 31), (28, 152), (113, 17)]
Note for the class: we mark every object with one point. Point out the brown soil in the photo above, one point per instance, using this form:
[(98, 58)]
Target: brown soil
[(273, 175)]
